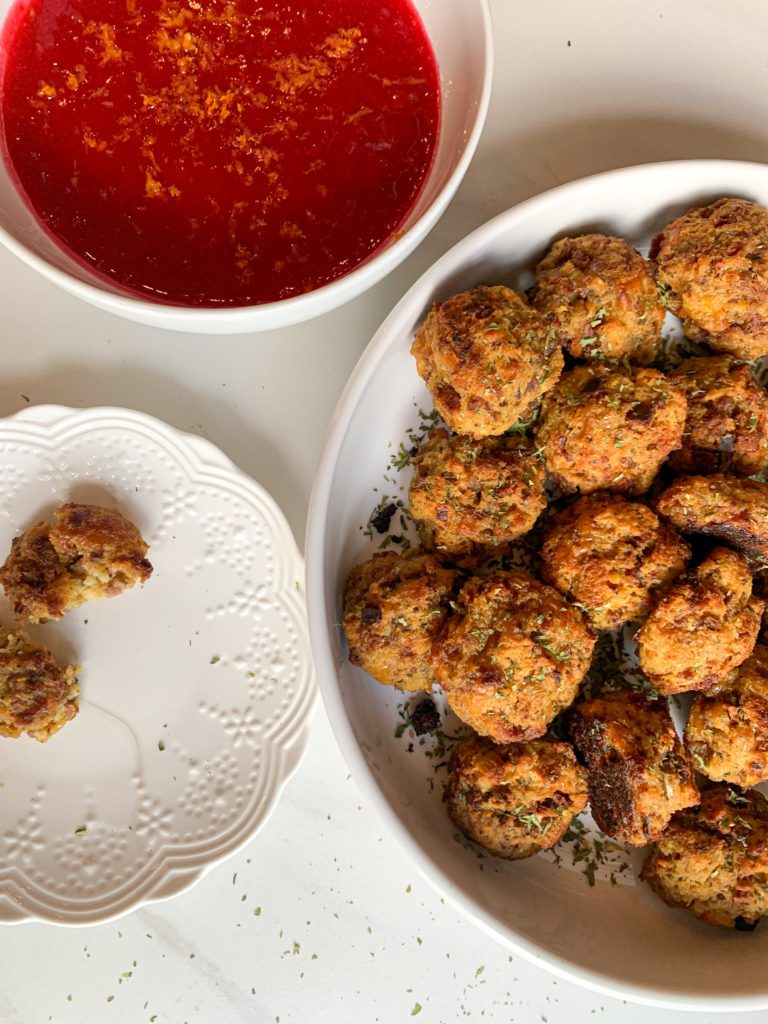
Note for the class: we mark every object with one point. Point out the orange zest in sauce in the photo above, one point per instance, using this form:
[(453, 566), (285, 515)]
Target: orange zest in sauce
[(218, 152)]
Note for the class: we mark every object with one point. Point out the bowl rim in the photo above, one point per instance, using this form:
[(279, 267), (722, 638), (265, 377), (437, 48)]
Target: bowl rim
[(298, 308), (317, 527)]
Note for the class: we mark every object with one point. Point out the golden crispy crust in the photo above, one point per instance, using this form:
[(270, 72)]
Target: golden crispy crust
[(637, 768), (703, 628), (512, 655), (610, 556), (37, 696), (724, 507), (727, 423), (727, 730), (467, 494), (713, 860), (487, 358), (712, 267), (90, 552), (609, 429), (393, 607), (598, 294), (514, 800)]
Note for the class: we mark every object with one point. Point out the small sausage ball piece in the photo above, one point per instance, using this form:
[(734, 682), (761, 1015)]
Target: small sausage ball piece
[(516, 799), (711, 265), (512, 655), (487, 357), (37, 696), (609, 429), (610, 555), (637, 769), (732, 510), (598, 294), (466, 493), (727, 422), (713, 859), (727, 730), (394, 606), (703, 628)]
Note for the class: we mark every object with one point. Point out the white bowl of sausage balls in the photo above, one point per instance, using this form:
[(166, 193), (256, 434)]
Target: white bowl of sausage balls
[(535, 560)]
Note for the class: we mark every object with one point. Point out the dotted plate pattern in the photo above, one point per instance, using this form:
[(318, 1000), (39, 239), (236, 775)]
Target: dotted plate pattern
[(196, 690)]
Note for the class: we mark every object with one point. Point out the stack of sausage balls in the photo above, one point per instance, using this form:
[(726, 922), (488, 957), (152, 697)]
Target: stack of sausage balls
[(557, 390)]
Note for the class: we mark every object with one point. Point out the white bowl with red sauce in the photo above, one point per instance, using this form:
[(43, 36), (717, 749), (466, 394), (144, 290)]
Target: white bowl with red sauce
[(62, 210)]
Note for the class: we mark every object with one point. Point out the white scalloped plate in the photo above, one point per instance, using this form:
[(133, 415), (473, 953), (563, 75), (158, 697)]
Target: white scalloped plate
[(196, 690)]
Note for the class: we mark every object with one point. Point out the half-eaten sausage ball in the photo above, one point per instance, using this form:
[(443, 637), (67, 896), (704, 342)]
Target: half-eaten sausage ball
[(727, 730), (468, 494), (597, 292), (638, 772), (703, 628), (727, 423), (724, 507), (609, 429), (515, 799), (711, 265), (713, 859), (394, 606), (487, 358), (512, 655), (610, 556)]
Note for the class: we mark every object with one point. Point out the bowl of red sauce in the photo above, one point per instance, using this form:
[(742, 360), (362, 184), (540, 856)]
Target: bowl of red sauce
[(221, 166)]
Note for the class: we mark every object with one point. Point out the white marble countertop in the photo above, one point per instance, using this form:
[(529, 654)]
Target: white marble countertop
[(322, 918)]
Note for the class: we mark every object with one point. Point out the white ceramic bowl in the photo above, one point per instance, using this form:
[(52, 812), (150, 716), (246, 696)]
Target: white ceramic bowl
[(460, 32), (618, 939)]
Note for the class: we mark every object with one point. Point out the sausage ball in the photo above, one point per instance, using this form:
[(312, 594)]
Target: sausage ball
[(727, 731), (466, 494), (88, 553), (732, 510), (512, 655), (727, 423), (713, 859), (598, 294), (711, 266), (487, 357), (609, 428), (394, 606), (637, 769), (703, 628), (37, 696), (516, 799), (610, 556)]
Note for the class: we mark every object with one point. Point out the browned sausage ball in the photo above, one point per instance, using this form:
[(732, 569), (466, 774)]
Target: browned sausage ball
[(37, 696), (599, 295), (713, 859), (727, 423), (727, 730), (467, 493), (516, 799), (609, 429), (711, 265), (637, 769), (512, 655), (487, 357), (394, 606), (732, 510), (610, 555), (88, 553), (703, 628)]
